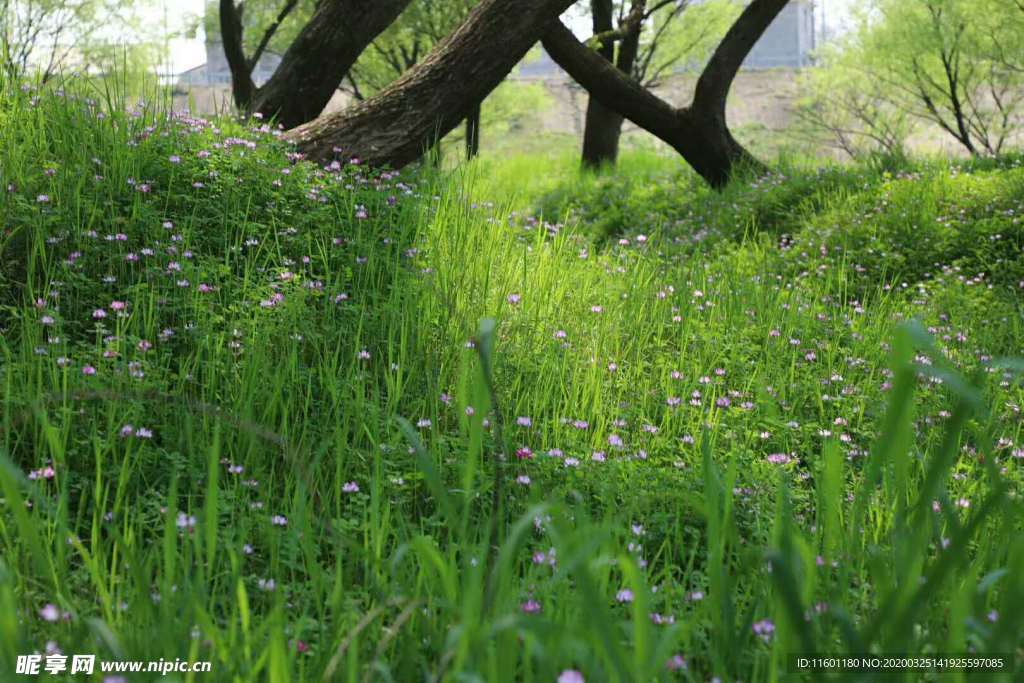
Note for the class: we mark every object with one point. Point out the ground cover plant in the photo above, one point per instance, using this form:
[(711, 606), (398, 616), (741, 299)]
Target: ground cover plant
[(326, 422)]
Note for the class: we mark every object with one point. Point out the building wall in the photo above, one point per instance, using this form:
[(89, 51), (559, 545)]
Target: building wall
[(788, 41), (215, 71)]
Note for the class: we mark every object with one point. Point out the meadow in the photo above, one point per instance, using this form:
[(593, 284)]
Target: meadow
[(504, 422)]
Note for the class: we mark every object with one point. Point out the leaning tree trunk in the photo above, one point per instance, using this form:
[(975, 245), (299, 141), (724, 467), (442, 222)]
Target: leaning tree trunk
[(315, 63), (473, 132), (424, 104), (699, 132)]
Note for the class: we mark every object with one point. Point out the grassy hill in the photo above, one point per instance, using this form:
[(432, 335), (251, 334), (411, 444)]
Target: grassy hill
[(308, 422)]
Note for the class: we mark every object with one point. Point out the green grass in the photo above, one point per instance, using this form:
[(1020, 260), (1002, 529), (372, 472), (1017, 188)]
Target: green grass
[(784, 419)]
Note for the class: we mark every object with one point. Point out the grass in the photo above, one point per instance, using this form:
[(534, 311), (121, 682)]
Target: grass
[(335, 424)]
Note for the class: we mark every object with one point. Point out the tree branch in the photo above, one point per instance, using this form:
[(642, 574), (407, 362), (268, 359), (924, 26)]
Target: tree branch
[(269, 33), (716, 79)]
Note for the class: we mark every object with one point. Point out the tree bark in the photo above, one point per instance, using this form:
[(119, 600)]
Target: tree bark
[(394, 127), (699, 132), (602, 126), (231, 33), (473, 132), (315, 63)]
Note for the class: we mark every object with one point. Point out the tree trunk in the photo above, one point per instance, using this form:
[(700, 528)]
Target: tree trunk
[(699, 132), (231, 32), (473, 132), (602, 126), (317, 60), (394, 127)]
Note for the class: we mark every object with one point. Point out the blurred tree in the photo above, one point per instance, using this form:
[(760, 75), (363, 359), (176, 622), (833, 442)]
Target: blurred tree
[(647, 39), (41, 38), (952, 63), (843, 107), (699, 132)]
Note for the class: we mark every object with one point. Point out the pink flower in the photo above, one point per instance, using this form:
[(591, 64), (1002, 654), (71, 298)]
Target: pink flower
[(531, 606), (764, 629), (88, 370), (350, 487), (571, 676), (49, 613)]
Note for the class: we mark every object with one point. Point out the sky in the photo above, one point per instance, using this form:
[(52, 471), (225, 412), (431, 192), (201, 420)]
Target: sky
[(188, 53)]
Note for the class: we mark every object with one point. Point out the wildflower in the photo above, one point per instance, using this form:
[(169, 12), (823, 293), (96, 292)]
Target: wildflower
[(571, 676), (470, 411), (364, 355), (523, 480), (597, 456), (267, 585), (185, 521), (764, 629), (514, 299), (143, 433), (279, 520), (43, 199), (615, 440), (174, 159), (49, 613), (778, 458), (43, 473), (99, 314), (88, 370), (126, 431), (531, 606), (350, 487), (47, 320), (676, 663), (524, 453), (423, 423), (524, 421), (624, 595)]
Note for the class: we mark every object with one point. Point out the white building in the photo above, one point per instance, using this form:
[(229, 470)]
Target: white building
[(215, 71)]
